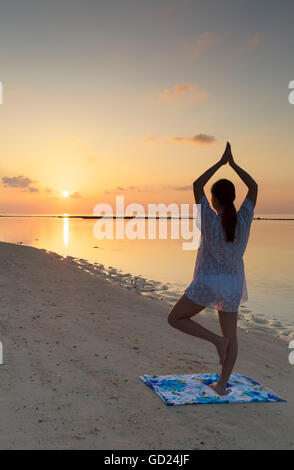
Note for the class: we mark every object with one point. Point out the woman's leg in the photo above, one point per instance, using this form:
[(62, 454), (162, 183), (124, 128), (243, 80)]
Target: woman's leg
[(228, 323), (180, 318)]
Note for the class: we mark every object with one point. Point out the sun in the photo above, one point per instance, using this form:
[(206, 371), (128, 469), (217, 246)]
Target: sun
[(65, 193)]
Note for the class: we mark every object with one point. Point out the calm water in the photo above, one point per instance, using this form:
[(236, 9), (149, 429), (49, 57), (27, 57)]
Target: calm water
[(268, 259)]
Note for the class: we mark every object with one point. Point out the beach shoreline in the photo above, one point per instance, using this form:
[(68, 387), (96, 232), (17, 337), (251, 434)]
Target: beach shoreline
[(75, 341), (247, 320)]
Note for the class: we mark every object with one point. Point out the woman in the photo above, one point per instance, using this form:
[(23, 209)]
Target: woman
[(219, 278)]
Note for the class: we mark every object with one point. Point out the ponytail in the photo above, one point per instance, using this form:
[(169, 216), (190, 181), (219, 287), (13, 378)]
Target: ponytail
[(229, 220), (224, 190)]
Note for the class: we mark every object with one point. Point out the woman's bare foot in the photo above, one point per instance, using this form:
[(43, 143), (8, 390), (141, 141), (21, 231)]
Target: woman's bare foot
[(220, 389), (222, 347)]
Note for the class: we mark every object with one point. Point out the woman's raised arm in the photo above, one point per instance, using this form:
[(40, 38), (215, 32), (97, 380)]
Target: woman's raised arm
[(247, 179), (202, 180)]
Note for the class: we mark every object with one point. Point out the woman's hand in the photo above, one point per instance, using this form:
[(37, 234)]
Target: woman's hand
[(230, 159), (227, 155)]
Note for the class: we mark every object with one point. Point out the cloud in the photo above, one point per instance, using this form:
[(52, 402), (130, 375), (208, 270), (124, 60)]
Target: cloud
[(75, 195), (188, 187), (52, 194), (128, 188), (199, 42), (183, 89), (254, 40), (17, 181), (20, 182), (199, 139), (121, 188)]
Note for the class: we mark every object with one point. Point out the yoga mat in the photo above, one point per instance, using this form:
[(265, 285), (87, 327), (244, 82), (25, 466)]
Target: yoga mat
[(194, 389)]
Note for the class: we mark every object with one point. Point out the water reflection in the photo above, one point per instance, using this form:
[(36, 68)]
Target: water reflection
[(268, 258), (65, 229)]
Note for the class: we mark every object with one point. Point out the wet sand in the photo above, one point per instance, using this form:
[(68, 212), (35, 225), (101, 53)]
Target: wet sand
[(75, 341)]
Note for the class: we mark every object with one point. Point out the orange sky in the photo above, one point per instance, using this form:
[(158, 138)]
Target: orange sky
[(140, 104)]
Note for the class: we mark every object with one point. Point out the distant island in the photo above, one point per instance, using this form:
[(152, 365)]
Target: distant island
[(128, 217)]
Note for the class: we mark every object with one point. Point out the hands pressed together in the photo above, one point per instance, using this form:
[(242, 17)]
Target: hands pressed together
[(227, 155)]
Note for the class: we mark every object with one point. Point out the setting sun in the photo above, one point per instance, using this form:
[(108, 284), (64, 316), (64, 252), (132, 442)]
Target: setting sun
[(170, 123)]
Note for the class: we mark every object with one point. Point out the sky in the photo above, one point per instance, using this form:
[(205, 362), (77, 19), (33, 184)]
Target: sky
[(138, 98)]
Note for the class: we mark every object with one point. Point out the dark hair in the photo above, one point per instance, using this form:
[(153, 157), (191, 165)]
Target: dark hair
[(224, 190)]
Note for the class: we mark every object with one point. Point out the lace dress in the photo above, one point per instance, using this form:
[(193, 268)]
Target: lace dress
[(219, 278)]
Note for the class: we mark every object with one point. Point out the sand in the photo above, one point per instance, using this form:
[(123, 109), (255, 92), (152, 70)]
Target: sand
[(74, 345)]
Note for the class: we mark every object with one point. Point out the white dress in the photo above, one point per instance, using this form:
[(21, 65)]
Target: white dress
[(219, 278)]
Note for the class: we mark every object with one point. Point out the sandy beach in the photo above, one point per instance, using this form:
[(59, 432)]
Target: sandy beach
[(75, 344)]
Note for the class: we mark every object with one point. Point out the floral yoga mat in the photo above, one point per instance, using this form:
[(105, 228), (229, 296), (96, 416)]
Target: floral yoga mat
[(194, 389)]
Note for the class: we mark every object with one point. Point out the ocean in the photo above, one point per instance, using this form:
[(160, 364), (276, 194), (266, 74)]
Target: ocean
[(168, 269)]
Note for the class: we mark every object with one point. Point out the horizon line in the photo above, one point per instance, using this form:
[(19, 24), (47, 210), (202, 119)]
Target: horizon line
[(69, 216)]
